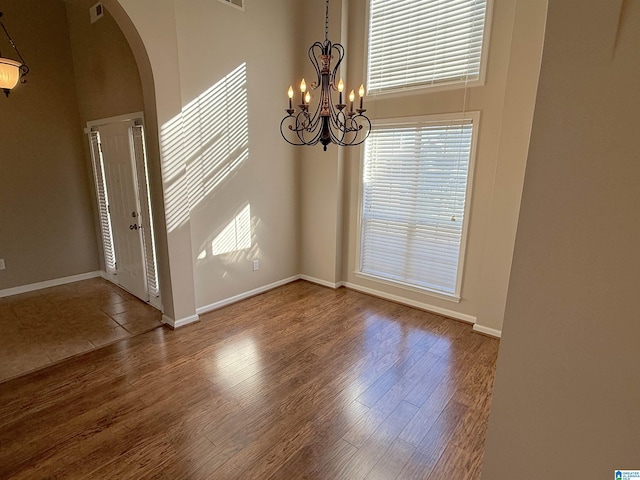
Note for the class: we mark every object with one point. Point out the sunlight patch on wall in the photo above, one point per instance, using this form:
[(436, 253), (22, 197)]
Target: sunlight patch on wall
[(235, 236), (204, 144)]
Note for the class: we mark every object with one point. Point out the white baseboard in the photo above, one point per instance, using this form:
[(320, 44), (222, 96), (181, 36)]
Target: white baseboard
[(241, 296), (413, 303), (108, 276), (319, 281), (395, 298), (48, 283), (492, 332), (181, 322)]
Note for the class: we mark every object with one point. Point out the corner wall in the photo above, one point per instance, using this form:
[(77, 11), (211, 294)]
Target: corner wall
[(321, 172)]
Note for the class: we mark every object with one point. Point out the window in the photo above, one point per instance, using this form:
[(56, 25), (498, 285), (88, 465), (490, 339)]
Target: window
[(414, 201), (418, 43)]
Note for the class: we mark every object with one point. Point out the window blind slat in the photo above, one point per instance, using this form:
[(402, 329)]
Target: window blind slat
[(147, 233), (424, 42), (413, 202), (103, 203)]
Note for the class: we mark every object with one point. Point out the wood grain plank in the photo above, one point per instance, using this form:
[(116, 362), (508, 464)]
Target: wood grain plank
[(299, 382)]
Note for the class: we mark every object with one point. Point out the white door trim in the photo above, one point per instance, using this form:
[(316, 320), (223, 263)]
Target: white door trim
[(138, 119)]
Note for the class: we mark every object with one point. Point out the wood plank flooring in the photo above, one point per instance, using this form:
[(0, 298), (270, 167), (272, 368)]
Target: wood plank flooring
[(302, 382)]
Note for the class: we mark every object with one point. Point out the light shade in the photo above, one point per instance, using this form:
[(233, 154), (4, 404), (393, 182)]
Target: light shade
[(9, 73)]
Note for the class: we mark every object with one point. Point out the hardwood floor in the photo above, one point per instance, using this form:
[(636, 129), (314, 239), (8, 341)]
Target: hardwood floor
[(45, 326), (302, 382)]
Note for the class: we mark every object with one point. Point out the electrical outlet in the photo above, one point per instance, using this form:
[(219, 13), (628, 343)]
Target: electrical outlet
[(2, 265), (256, 264)]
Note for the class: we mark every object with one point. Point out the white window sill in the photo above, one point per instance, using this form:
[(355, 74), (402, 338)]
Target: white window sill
[(454, 298)]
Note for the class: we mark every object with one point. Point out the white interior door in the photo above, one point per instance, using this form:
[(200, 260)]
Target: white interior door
[(124, 206)]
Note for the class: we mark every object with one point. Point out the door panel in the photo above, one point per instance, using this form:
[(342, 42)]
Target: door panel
[(124, 206)]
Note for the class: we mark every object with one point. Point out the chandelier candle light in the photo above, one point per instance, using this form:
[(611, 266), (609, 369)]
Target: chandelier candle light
[(329, 123), (11, 71)]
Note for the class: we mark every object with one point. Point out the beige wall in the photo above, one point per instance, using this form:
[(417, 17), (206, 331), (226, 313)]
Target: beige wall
[(113, 78), (214, 40), (193, 46), (505, 103), (106, 74), (519, 100), (159, 40), (148, 87), (46, 218), (567, 395)]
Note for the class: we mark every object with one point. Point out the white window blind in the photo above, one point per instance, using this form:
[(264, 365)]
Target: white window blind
[(416, 43), (103, 203), (142, 177), (413, 203)]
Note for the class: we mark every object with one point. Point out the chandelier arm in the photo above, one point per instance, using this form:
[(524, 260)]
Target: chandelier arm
[(341, 138), (336, 138), (301, 135), (337, 118), (314, 120), (361, 124), (315, 139), (296, 124), (340, 50), (283, 129), (316, 63), (358, 126), (302, 124), (308, 140)]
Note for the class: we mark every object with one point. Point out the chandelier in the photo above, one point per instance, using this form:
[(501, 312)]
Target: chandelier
[(329, 123), (11, 71)]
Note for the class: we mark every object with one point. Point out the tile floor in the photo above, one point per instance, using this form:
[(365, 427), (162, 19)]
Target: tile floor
[(43, 327)]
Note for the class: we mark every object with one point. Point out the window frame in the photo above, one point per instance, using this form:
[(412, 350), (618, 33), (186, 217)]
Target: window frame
[(456, 297), (437, 87)]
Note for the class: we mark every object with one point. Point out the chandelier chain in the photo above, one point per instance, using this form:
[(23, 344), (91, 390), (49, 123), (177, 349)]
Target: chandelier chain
[(326, 22), (11, 42)]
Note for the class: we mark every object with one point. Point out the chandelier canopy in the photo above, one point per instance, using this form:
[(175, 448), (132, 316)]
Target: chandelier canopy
[(329, 122), (11, 71)]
